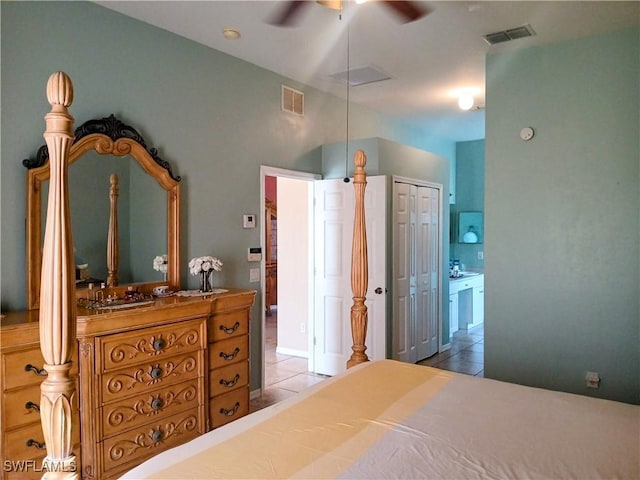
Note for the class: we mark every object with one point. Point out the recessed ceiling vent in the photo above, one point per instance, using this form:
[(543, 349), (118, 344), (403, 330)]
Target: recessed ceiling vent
[(292, 101), (508, 35), (361, 76)]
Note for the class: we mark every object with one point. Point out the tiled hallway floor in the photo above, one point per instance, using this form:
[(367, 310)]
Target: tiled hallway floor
[(286, 375), (466, 354)]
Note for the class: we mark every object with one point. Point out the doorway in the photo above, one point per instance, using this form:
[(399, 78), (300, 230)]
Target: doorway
[(287, 266)]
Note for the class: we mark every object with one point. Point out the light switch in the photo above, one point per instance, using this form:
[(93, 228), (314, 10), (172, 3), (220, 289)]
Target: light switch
[(254, 275), (248, 220)]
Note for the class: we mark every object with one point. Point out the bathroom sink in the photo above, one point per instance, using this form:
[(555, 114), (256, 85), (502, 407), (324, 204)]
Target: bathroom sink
[(464, 275)]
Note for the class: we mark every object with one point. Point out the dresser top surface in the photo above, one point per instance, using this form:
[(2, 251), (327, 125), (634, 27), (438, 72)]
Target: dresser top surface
[(88, 319)]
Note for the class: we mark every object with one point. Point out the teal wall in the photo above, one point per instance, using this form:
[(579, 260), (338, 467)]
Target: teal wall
[(469, 198), (562, 218), (215, 118)]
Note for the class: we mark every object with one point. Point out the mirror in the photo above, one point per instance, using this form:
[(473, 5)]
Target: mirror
[(470, 227), (146, 206)]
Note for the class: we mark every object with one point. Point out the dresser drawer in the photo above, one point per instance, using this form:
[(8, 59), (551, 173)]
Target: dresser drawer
[(226, 379), (151, 344), (228, 351), (22, 406), (24, 367), (15, 441), (229, 324), (228, 407), (141, 409), (121, 452), (138, 380)]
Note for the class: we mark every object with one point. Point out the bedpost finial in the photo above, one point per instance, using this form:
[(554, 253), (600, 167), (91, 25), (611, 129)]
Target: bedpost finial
[(360, 159), (59, 91)]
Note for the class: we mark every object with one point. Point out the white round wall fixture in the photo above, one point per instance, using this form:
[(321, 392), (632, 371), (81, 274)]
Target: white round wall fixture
[(526, 133)]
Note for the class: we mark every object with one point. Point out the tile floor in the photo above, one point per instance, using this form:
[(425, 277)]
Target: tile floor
[(466, 354), (286, 375)]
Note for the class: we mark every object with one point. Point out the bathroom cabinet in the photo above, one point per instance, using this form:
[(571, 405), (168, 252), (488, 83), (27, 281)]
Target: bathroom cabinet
[(466, 302)]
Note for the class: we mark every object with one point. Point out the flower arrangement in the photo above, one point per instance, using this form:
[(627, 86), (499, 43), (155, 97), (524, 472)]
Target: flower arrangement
[(204, 264), (160, 263)]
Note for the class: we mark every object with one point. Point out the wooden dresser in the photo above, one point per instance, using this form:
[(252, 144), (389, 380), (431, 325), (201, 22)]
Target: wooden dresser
[(150, 378), (21, 373)]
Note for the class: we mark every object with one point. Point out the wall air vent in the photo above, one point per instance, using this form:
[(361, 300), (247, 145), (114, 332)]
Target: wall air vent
[(510, 34), (292, 101)]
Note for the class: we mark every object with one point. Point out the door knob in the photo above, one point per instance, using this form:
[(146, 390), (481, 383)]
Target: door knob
[(379, 290)]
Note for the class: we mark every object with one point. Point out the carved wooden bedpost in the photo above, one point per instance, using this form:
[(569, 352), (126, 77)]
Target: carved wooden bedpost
[(113, 245), (57, 291), (359, 266)]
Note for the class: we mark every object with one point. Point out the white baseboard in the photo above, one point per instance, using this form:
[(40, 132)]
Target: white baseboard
[(292, 352), (257, 393)]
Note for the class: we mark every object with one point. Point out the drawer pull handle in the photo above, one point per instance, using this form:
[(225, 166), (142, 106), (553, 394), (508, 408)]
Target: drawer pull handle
[(159, 344), (157, 403), (230, 383), (32, 443), (36, 371), (156, 435), (231, 412), (230, 356), (156, 372), (30, 405), (228, 330)]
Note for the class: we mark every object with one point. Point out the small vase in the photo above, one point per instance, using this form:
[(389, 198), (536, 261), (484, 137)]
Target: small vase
[(205, 284)]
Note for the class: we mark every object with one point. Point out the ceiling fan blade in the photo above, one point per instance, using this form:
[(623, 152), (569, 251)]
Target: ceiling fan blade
[(289, 14), (408, 11)]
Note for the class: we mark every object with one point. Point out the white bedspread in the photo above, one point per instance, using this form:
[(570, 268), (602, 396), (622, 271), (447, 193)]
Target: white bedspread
[(394, 420)]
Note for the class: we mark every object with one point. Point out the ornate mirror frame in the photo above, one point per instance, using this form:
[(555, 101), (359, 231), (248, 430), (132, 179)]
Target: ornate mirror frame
[(106, 136)]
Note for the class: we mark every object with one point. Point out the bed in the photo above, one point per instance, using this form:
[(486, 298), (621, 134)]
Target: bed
[(382, 419), (387, 419)]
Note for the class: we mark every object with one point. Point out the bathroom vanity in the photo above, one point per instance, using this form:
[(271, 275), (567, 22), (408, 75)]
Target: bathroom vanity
[(466, 301)]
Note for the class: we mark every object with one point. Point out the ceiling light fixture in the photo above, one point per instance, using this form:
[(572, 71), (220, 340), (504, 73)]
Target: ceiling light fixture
[(230, 33), (465, 101)]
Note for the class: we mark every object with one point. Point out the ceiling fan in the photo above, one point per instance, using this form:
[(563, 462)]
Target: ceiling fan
[(406, 11)]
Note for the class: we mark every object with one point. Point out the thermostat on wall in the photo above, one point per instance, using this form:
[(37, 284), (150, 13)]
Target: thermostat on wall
[(254, 254), (249, 220)]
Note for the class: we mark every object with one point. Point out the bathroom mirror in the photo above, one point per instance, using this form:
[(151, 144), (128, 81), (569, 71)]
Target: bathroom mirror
[(470, 227), (147, 207)]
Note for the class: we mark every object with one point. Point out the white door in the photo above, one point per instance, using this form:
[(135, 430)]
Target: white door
[(334, 216), (416, 311), (404, 278), (427, 293)]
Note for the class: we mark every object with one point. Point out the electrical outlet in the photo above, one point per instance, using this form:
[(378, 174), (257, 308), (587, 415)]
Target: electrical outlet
[(303, 328), (593, 379), (480, 255)]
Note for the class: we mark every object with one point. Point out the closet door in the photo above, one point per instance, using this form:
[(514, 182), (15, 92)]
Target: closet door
[(404, 272), (427, 231), (416, 234)]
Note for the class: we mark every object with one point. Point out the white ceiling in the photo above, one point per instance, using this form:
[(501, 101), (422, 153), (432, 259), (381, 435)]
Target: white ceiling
[(429, 61)]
